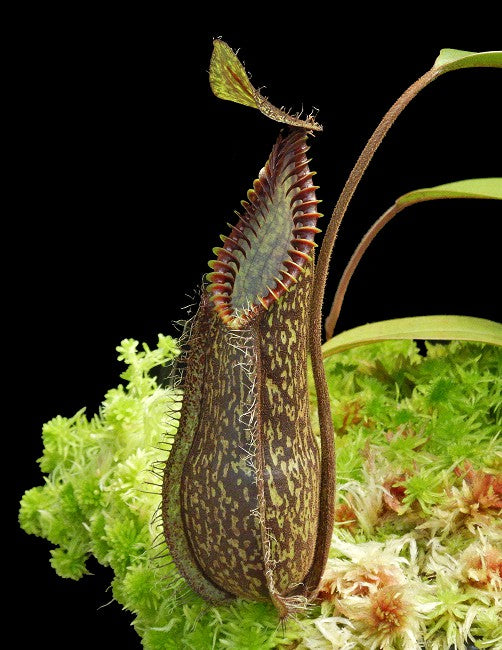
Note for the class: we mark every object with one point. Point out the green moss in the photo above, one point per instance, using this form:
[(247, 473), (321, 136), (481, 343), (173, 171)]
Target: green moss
[(405, 423)]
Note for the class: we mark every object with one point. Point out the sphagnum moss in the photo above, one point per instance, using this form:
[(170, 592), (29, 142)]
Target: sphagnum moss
[(415, 560)]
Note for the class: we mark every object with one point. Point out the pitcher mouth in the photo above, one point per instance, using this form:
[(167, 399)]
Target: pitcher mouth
[(272, 242)]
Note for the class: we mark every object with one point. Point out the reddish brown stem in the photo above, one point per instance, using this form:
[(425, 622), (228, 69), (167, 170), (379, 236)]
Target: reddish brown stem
[(349, 189), (320, 277), (334, 313)]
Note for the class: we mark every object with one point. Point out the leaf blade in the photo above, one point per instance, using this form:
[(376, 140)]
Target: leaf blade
[(442, 327), (457, 59), (473, 188)]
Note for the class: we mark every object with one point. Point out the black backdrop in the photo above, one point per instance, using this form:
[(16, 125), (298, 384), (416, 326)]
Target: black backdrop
[(125, 169)]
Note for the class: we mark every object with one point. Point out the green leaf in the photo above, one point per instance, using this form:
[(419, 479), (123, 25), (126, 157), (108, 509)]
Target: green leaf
[(474, 188), (456, 59), (229, 81), (443, 328)]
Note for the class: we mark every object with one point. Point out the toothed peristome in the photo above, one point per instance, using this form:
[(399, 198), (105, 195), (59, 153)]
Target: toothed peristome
[(269, 247)]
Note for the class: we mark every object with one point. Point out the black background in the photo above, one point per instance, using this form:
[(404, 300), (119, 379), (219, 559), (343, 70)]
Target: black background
[(125, 169)]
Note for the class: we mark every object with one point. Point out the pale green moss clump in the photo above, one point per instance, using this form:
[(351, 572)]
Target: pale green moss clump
[(415, 560)]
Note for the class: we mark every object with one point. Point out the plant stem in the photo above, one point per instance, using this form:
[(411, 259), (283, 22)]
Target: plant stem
[(334, 313), (320, 277), (350, 187)]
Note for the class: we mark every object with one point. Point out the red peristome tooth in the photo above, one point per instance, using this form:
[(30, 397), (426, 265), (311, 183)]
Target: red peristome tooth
[(276, 297), (299, 154), (249, 215), (297, 170), (249, 218), (303, 240), (267, 190), (308, 219), (281, 284), (306, 230), (303, 245), (304, 193), (252, 224), (222, 267), (233, 258), (221, 289), (297, 138), (219, 277), (301, 181), (220, 308), (241, 233), (293, 265), (233, 244), (290, 279), (263, 303), (301, 255), (226, 255), (264, 180), (280, 159), (252, 196), (306, 207), (262, 210), (218, 301)]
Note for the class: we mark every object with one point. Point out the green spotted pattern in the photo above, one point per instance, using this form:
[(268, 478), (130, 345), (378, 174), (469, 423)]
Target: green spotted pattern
[(241, 492), (290, 449)]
